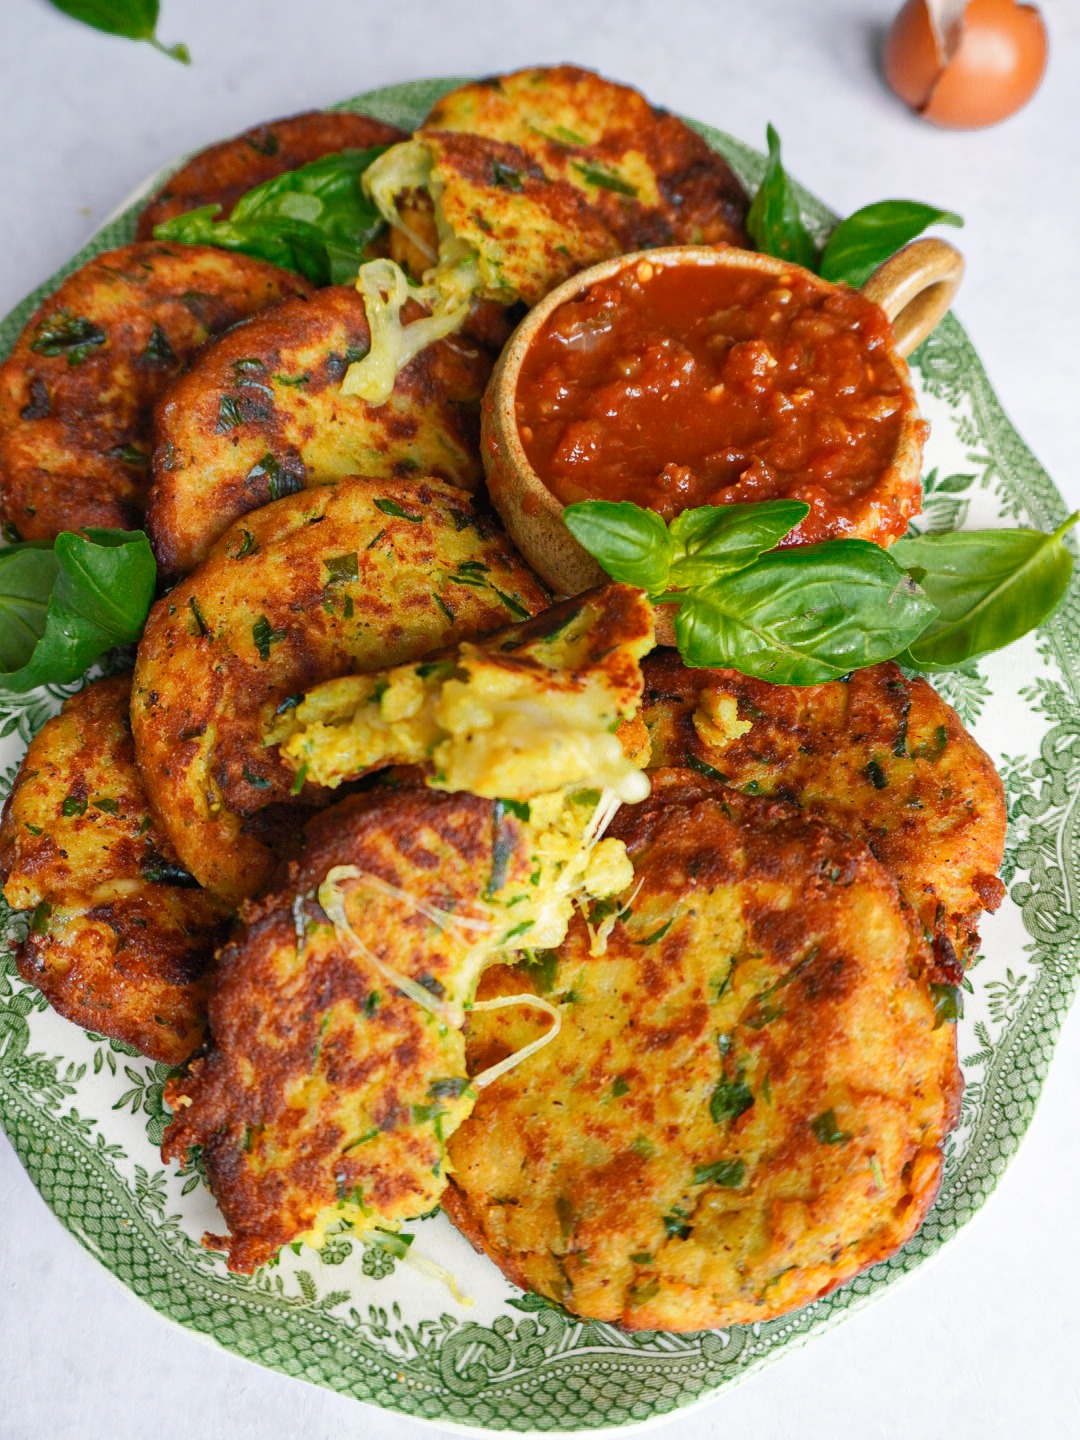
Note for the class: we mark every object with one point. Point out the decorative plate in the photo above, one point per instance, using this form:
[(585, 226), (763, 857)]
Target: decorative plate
[(86, 1115)]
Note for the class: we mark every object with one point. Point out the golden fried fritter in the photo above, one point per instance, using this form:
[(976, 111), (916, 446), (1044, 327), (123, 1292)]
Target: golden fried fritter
[(882, 758), (746, 1103), (515, 183), (261, 414), (329, 1092), (120, 936), (649, 177), (77, 390), (221, 174), (342, 578)]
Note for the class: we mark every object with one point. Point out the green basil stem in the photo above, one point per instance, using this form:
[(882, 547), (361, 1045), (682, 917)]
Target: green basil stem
[(131, 19)]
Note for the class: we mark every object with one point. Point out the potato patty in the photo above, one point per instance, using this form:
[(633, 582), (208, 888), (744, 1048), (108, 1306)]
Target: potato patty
[(514, 183), (221, 174), (120, 937), (649, 177), (329, 1093), (882, 758), (746, 1104), (77, 390), (261, 414), (342, 578)]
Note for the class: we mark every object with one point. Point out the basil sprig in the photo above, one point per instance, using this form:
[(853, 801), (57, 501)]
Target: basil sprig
[(315, 220), (133, 19), (812, 613), (63, 605), (989, 588), (857, 245)]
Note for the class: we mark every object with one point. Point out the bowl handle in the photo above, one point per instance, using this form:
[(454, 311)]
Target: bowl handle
[(915, 287)]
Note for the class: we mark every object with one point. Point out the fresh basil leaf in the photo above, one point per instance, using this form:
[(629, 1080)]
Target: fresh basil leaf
[(28, 573), (804, 615), (715, 539), (989, 587), (315, 220), (633, 545), (279, 244), (865, 239), (774, 221), (133, 19), (62, 607)]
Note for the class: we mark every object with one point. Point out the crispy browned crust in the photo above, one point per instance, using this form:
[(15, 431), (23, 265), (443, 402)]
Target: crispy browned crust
[(261, 414), (303, 1057), (620, 629), (221, 174), (120, 937), (882, 758), (768, 960), (75, 425), (265, 618), (699, 200)]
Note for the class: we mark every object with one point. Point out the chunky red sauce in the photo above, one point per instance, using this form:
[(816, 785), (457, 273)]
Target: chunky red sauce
[(680, 385)]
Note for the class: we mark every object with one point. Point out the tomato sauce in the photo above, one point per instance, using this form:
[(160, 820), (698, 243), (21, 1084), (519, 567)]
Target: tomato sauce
[(675, 385)]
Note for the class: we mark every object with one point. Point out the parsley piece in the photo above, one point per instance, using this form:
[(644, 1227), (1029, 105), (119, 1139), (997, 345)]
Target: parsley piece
[(705, 769), (264, 637), (66, 334), (728, 1174), (730, 1099), (158, 353), (876, 775), (201, 627), (505, 178), (604, 179), (657, 934), (948, 1004), (391, 507), (342, 567), (826, 1130), (675, 1224)]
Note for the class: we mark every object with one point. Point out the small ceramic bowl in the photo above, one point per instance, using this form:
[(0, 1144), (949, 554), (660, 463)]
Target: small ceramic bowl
[(914, 288)]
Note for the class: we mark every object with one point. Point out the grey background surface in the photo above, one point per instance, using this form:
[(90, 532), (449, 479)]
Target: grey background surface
[(983, 1342)]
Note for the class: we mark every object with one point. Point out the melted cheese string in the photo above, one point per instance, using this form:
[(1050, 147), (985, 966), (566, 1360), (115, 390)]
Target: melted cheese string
[(437, 1272), (331, 899), (502, 1002), (444, 919), (384, 289)]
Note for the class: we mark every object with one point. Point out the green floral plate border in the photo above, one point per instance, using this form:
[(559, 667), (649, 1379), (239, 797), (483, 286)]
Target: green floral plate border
[(85, 1115)]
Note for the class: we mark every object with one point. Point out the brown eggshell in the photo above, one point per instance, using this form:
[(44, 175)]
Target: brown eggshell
[(912, 59), (986, 68)]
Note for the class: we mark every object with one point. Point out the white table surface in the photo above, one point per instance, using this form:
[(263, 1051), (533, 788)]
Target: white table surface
[(985, 1340)]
